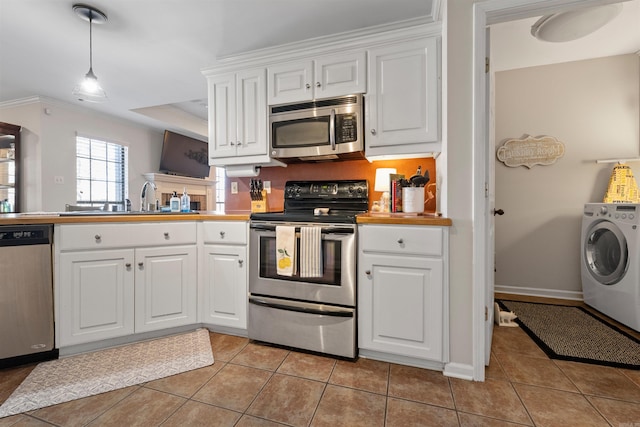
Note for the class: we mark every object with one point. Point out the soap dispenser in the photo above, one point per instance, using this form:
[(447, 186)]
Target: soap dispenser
[(174, 202), (185, 202)]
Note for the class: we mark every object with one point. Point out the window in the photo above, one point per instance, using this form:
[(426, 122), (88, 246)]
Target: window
[(101, 170), (220, 186)]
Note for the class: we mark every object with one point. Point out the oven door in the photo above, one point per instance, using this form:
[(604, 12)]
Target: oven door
[(338, 282)]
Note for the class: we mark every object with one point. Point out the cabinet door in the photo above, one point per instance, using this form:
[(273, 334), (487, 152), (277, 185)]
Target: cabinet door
[(339, 75), (166, 285), (96, 291), (251, 112), (402, 97), (222, 116), (225, 286), (290, 82), (400, 305)]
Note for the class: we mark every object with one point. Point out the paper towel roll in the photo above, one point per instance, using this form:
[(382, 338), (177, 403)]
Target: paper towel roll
[(241, 171)]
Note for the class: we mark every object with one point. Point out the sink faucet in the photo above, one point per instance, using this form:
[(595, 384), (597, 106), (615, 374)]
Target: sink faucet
[(143, 194)]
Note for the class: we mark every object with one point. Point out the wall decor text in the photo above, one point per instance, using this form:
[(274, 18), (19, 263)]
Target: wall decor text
[(530, 151)]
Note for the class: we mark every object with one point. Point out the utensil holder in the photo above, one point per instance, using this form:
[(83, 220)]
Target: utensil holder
[(260, 205), (413, 199)]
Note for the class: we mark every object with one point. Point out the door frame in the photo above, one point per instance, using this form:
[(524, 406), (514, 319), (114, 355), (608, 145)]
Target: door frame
[(486, 13)]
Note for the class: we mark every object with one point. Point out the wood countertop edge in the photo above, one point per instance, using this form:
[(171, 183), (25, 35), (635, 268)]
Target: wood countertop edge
[(17, 219), (404, 219)]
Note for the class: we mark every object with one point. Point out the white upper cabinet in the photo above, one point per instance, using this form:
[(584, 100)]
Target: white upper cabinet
[(323, 77), (237, 115), (402, 103)]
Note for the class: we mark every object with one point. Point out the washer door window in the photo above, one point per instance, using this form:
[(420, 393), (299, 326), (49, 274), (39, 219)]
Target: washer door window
[(606, 253)]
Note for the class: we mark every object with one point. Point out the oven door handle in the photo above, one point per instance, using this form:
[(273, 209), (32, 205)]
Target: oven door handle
[(332, 230), (302, 307)]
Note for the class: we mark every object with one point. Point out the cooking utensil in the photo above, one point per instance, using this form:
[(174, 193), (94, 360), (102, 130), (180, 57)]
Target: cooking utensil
[(418, 180)]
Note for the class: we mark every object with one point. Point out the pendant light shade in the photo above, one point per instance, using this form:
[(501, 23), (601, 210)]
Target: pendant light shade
[(89, 89), (574, 24)]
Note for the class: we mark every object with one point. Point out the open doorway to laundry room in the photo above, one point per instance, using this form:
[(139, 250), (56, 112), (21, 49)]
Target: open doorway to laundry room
[(537, 240)]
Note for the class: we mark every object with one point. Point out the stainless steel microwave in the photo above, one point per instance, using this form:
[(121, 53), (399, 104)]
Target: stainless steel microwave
[(318, 130)]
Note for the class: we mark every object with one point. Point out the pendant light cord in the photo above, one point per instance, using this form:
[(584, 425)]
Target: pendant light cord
[(90, 40)]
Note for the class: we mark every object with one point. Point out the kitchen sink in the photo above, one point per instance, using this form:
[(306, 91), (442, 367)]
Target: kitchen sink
[(119, 213)]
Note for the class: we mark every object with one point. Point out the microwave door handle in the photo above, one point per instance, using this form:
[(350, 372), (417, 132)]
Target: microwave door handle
[(332, 129)]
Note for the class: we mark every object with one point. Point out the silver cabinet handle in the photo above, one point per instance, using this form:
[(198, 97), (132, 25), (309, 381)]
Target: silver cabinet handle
[(240, 262), (400, 241), (98, 237), (128, 265), (318, 84), (141, 264), (308, 86), (232, 143), (222, 234), (239, 143), (368, 272), (373, 131), (166, 234)]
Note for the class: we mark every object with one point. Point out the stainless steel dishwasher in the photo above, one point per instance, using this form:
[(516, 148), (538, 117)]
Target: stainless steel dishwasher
[(26, 294)]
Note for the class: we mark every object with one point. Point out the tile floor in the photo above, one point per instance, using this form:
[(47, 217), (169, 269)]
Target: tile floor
[(257, 385)]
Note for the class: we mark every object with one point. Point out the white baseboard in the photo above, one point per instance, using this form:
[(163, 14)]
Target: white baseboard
[(539, 292), (458, 370), (401, 360)]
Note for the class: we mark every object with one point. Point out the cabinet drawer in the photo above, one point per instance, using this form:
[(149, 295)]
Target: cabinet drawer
[(102, 236), (401, 239), (229, 232)]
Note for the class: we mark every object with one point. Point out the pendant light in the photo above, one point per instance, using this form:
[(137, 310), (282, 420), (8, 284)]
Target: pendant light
[(89, 89)]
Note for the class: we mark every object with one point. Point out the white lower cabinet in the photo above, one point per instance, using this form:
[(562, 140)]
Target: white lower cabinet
[(224, 273), (116, 279), (401, 282)]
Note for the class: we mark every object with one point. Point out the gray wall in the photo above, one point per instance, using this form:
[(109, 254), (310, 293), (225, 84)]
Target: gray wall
[(591, 106)]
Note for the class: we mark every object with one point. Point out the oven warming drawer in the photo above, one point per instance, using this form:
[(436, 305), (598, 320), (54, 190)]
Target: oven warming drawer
[(300, 325)]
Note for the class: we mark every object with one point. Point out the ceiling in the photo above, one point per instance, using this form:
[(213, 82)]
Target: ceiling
[(149, 55)]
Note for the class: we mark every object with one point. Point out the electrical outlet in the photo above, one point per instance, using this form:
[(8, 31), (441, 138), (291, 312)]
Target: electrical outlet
[(58, 179), (234, 187), (267, 187)]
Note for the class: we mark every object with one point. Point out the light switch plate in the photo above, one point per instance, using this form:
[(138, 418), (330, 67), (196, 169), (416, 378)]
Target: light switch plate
[(234, 187), (267, 186)]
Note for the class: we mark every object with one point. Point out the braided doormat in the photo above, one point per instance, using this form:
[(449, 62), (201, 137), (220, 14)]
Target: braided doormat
[(88, 374), (572, 333)]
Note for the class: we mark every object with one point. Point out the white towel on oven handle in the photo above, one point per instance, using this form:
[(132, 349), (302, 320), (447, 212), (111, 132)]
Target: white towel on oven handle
[(285, 250), (311, 251)]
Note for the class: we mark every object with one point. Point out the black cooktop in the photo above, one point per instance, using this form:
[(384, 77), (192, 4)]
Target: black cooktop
[(308, 201)]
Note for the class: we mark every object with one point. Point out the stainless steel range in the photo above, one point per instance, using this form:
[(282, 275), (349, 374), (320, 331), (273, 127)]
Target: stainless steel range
[(311, 302)]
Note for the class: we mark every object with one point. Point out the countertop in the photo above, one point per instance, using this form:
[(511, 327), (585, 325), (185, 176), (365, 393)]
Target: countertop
[(65, 218), (80, 218)]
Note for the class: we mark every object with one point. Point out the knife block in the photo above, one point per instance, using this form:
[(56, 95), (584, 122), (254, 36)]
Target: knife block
[(260, 205)]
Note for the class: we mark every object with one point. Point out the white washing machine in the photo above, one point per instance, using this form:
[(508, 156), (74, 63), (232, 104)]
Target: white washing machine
[(610, 260)]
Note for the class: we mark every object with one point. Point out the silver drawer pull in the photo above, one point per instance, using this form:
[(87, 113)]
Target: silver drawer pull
[(166, 235), (222, 234), (98, 237), (240, 262), (318, 84), (140, 264), (308, 86), (368, 272), (373, 131), (400, 241), (128, 265)]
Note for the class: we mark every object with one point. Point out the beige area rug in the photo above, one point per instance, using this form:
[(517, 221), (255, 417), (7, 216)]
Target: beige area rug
[(93, 373)]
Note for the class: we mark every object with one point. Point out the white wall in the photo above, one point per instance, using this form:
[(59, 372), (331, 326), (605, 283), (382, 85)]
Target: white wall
[(592, 106), (49, 131)]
